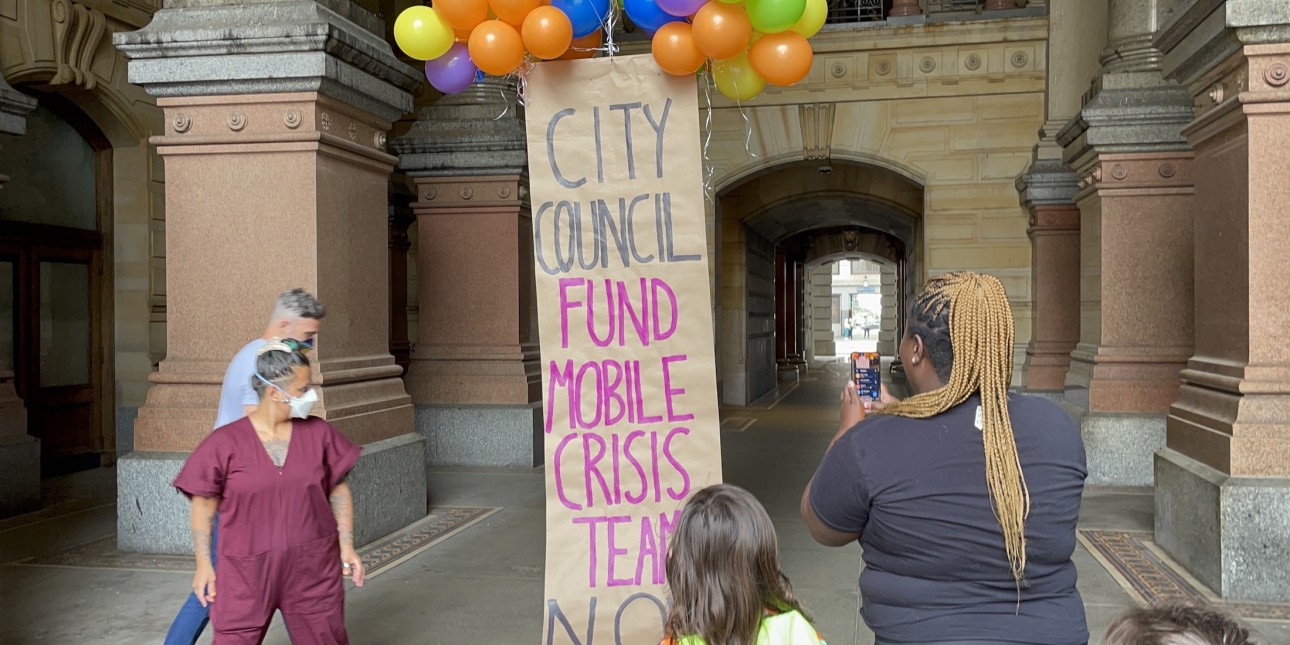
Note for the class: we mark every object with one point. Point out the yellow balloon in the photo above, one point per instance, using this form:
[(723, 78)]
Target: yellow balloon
[(812, 20), (736, 78), (422, 33)]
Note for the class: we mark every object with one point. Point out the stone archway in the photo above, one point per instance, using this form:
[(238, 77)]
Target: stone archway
[(772, 225), (59, 52)]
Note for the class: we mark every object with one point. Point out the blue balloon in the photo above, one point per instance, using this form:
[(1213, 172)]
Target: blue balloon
[(586, 15), (647, 15)]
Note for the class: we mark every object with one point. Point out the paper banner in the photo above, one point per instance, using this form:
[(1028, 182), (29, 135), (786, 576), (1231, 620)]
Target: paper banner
[(628, 372)]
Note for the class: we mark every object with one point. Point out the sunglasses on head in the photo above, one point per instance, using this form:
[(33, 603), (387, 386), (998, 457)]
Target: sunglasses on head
[(302, 346)]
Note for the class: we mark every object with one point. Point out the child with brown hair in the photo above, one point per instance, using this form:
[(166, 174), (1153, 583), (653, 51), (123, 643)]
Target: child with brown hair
[(725, 584), (1176, 625)]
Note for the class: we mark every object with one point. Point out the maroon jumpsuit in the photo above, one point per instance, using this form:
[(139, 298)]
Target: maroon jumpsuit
[(278, 547)]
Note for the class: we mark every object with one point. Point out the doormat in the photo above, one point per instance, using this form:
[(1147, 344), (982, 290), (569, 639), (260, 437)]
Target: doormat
[(378, 557), (1151, 577)]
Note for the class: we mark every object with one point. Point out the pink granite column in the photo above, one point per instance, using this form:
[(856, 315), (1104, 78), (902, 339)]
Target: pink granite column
[(1223, 479), (1047, 190), (474, 374), (1055, 279), (1137, 293), (276, 176)]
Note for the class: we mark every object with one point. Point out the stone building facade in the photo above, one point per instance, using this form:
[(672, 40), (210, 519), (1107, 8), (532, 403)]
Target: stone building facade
[(1116, 163)]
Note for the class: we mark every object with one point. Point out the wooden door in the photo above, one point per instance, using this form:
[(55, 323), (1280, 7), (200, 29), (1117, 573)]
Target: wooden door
[(55, 346)]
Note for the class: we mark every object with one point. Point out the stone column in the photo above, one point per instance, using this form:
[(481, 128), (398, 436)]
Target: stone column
[(1223, 480), (276, 176), (1076, 36), (801, 313), (474, 375), (400, 218), (824, 341), (19, 451), (889, 332), (1136, 260)]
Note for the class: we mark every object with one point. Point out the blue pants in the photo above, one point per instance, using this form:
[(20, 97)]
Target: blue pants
[(193, 617)]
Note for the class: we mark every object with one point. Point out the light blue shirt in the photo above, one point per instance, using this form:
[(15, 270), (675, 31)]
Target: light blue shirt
[(237, 391)]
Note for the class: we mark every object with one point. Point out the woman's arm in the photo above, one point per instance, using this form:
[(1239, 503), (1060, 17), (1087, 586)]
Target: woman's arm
[(202, 521), (342, 506)]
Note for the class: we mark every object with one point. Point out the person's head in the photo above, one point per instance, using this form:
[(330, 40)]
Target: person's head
[(296, 314), (282, 380), (723, 568), (959, 341), (1176, 625)]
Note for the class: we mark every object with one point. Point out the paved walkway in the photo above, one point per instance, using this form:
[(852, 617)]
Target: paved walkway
[(484, 585)]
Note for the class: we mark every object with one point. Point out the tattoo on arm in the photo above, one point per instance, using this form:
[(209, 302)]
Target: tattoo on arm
[(342, 506), (203, 523)]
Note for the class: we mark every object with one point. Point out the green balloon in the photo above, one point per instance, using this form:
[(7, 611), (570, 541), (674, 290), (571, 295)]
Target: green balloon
[(774, 16)]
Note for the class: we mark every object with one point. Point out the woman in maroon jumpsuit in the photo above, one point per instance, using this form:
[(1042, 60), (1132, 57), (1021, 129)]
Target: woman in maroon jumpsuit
[(286, 534)]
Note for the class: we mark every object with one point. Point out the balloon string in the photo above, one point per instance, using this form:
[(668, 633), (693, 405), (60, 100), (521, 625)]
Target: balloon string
[(610, 24), (709, 171), (747, 125)]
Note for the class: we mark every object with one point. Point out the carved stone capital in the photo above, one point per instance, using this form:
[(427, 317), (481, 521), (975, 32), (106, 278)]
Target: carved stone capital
[(476, 132), (1047, 182), (211, 48)]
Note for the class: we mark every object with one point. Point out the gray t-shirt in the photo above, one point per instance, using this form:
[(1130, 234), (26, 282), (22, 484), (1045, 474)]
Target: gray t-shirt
[(935, 567), (237, 390)]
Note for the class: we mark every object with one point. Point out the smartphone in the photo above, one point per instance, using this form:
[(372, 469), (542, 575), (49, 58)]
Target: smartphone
[(866, 373)]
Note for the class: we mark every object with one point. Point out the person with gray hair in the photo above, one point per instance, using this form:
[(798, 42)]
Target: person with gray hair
[(286, 514), (298, 315), (1176, 624)]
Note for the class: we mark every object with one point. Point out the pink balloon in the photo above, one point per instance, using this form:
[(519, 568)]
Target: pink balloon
[(681, 8)]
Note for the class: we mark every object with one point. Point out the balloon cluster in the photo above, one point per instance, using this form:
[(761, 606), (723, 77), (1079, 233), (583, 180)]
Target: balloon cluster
[(460, 38), (750, 42)]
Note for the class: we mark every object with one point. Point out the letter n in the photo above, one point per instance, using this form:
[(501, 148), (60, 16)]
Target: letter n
[(553, 614)]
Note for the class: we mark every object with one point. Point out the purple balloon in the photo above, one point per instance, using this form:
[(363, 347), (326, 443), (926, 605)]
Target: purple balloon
[(681, 8), (453, 72)]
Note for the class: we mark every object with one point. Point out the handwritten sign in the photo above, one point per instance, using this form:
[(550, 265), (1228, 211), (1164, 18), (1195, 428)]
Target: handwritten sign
[(625, 323)]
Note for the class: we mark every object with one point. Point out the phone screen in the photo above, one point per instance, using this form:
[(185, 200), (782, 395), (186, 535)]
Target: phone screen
[(866, 372)]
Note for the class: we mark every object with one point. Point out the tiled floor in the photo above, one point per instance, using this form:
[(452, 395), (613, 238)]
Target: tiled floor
[(484, 584)]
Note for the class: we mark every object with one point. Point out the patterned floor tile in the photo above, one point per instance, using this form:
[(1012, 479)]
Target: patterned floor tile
[(1151, 577)]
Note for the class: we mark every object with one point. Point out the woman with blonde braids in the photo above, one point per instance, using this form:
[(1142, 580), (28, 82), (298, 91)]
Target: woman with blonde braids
[(964, 496)]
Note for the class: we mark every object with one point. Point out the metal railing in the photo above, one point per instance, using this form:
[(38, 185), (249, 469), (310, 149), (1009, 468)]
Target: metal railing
[(846, 12)]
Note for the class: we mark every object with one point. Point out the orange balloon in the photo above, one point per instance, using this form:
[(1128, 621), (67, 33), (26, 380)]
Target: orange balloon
[(496, 48), (547, 33), (513, 12), (783, 58), (463, 35), (721, 30), (463, 15), (586, 47), (674, 49)]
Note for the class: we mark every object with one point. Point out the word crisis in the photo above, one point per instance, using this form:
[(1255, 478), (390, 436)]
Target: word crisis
[(604, 481)]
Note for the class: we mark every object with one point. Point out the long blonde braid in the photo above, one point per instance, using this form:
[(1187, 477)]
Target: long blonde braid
[(981, 335)]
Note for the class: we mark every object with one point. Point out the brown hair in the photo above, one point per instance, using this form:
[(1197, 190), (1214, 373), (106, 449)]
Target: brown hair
[(723, 569), (1176, 625), (965, 319)]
